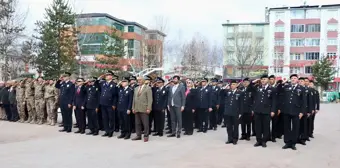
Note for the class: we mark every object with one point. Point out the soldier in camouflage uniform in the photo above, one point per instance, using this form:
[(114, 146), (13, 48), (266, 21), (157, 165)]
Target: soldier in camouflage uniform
[(21, 101), (29, 99), (51, 98), (39, 90)]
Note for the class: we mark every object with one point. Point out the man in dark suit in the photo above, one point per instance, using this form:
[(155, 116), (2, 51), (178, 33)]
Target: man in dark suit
[(232, 111), (124, 107), (303, 132), (275, 118), (92, 105), (159, 104), (205, 105), (133, 84), (176, 103), (315, 108), (108, 103), (220, 110), (294, 106), (5, 101), (247, 103), (215, 101), (79, 105), (264, 107), (67, 90)]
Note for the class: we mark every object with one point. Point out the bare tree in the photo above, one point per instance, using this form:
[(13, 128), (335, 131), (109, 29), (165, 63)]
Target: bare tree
[(28, 53), (11, 27), (244, 50)]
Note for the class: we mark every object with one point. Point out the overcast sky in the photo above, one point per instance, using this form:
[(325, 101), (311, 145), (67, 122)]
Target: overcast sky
[(184, 16)]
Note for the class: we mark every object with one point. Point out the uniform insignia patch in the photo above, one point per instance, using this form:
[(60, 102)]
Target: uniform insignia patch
[(216, 89), (127, 92), (89, 88), (67, 85), (110, 85), (163, 91), (206, 90)]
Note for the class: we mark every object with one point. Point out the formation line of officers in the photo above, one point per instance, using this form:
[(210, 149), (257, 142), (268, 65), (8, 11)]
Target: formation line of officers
[(265, 108)]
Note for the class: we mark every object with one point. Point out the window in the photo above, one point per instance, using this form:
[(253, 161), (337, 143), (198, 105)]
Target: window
[(130, 53), (297, 28), (331, 55), (279, 56), (258, 29), (278, 70), (308, 70), (312, 14), (297, 14), (311, 55), (295, 70), (279, 28), (297, 42), (153, 36), (332, 42), (313, 28), (119, 27), (130, 43), (279, 42), (332, 27), (279, 15), (312, 42), (295, 56), (131, 29)]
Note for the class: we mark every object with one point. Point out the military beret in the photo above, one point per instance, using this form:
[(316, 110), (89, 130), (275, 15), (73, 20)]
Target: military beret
[(159, 79), (133, 78), (272, 76), (264, 76), (293, 75)]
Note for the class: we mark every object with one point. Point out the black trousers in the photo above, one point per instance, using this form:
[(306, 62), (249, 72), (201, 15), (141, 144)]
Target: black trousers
[(275, 127), (213, 118), (8, 112), (310, 122), (152, 120), (188, 121), (303, 131), (159, 117), (280, 126), (80, 118), (246, 124), (100, 119), (168, 119), (291, 128), (262, 127), (220, 112), (66, 114), (196, 120), (109, 118), (253, 124), (92, 118), (232, 127), (203, 118), (132, 122), (124, 120), (116, 125), (14, 111)]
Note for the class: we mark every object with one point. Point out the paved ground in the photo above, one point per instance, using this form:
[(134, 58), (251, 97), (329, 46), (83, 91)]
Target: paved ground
[(33, 146)]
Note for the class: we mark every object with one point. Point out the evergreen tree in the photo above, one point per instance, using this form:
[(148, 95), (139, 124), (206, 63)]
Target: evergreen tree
[(323, 72), (57, 39), (113, 49)]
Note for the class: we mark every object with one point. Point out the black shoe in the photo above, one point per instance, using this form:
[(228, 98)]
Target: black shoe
[(121, 136), (215, 128), (62, 130), (293, 147), (90, 133), (95, 133), (127, 136), (68, 131), (205, 131), (167, 128), (308, 139), (172, 135), (160, 134), (178, 135), (75, 126), (248, 138), (235, 142), (264, 144), (286, 146), (273, 140), (253, 134), (110, 134), (257, 144), (61, 125), (242, 138), (105, 135), (185, 133), (169, 132), (82, 132), (228, 142), (116, 130), (137, 138), (77, 132), (155, 134), (302, 142), (190, 133), (133, 131), (200, 130), (280, 137), (311, 136), (223, 126), (210, 128)]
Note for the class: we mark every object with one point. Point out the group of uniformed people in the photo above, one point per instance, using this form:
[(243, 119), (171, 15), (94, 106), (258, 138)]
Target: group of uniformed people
[(265, 108)]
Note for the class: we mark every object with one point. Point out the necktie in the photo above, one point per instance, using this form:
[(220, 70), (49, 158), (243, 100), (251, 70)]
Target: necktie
[(78, 90)]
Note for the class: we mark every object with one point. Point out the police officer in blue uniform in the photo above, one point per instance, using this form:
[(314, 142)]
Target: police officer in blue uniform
[(160, 95), (67, 90), (205, 105), (124, 106), (92, 105), (315, 108), (232, 111), (275, 118), (133, 84), (293, 108), (247, 104), (108, 102), (79, 105), (215, 101), (221, 105), (264, 109), (303, 132)]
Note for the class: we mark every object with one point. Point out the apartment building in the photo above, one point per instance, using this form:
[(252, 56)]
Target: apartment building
[(140, 41), (245, 49), (301, 35)]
